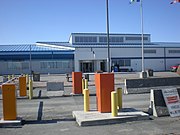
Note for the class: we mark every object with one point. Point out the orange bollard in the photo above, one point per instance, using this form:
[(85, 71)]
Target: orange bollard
[(9, 101), (104, 86), (22, 86), (77, 82)]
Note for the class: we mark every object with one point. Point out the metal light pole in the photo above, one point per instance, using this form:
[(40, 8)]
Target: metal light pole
[(30, 80), (30, 62), (143, 74), (107, 25)]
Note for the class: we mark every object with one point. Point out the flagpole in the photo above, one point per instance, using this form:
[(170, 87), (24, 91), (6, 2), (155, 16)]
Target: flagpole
[(108, 47), (142, 35), (143, 73)]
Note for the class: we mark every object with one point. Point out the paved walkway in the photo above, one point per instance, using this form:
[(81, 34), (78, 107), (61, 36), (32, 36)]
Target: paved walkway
[(53, 115), (119, 78)]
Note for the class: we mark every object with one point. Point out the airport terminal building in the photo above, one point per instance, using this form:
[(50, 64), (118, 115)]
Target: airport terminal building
[(87, 52)]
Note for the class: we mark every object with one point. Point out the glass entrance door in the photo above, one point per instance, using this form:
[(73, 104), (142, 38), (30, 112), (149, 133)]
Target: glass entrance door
[(87, 66), (103, 66)]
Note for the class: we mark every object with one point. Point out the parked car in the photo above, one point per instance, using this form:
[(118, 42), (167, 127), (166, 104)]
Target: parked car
[(174, 68)]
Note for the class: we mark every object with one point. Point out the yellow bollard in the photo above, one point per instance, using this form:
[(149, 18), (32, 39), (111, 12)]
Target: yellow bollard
[(119, 98), (27, 78), (83, 87), (86, 84), (114, 110), (13, 78), (9, 77), (86, 100), (30, 88)]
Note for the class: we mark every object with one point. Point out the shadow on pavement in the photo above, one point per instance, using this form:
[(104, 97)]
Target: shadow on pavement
[(47, 121)]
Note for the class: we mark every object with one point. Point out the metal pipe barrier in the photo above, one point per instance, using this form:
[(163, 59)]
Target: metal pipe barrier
[(10, 80), (17, 84)]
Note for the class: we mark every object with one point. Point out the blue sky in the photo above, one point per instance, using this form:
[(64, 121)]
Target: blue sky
[(29, 21)]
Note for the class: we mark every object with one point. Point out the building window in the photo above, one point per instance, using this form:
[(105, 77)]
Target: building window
[(18, 65), (52, 64), (66, 64), (59, 65), (43, 65), (136, 38), (127, 62), (174, 51), (149, 51), (103, 39), (111, 39), (25, 65), (14, 65), (116, 39), (55, 64), (87, 39), (122, 62), (48, 64)]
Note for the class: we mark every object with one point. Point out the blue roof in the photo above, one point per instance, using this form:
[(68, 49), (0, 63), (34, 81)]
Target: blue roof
[(65, 45), (56, 43), (22, 52), (34, 48)]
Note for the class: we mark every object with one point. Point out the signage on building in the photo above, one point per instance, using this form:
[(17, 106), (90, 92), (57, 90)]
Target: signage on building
[(172, 101)]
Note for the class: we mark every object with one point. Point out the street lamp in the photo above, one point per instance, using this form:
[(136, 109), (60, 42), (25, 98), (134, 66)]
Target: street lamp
[(107, 25)]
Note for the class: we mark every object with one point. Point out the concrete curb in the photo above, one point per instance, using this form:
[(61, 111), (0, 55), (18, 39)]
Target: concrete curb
[(10, 123), (95, 118)]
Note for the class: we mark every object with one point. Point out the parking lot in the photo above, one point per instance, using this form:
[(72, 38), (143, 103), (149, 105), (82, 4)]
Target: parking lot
[(52, 114)]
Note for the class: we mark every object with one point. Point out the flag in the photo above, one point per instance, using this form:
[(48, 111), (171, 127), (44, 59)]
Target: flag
[(134, 1), (175, 1)]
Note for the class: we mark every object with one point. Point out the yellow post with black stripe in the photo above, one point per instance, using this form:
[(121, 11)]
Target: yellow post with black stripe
[(9, 77), (30, 88), (27, 78), (86, 84), (119, 98), (83, 85), (86, 100), (114, 111)]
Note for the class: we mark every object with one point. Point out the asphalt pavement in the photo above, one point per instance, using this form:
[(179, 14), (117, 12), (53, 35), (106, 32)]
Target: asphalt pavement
[(45, 115)]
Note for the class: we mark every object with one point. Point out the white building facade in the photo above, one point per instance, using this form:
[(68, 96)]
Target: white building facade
[(125, 51), (87, 52)]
